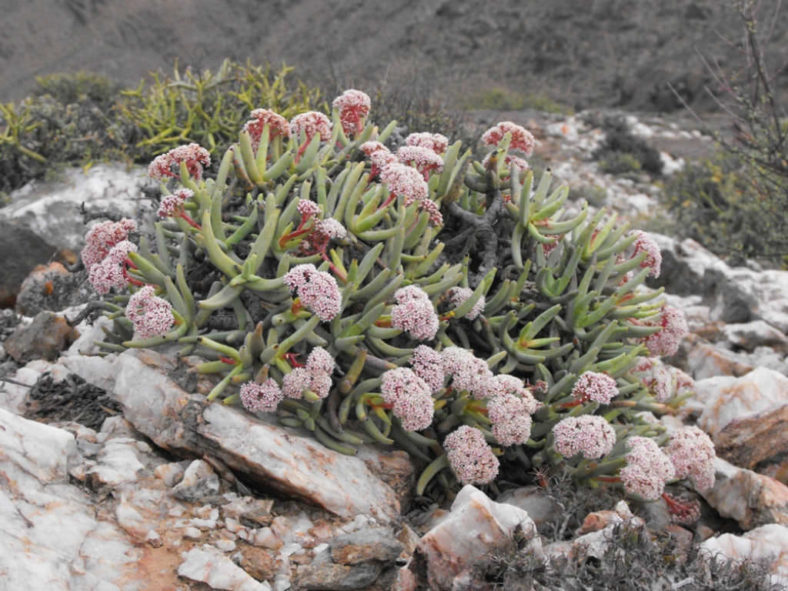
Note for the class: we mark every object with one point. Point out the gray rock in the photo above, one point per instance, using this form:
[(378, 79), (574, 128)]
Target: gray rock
[(19, 262), (327, 576), (199, 481), (365, 545)]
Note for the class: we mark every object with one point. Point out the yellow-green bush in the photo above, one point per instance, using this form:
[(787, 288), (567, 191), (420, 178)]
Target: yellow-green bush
[(732, 212), (207, 108)]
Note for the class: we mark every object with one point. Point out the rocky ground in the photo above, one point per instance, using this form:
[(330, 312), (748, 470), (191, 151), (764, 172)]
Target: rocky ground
[(116, 475)]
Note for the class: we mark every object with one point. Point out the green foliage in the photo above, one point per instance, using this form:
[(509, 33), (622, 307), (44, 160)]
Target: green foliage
[(559, 297), (79, 87), (41, 133), (620, 163), (82, 117), (499, 98), (624, 152), (734, 213), (207, 108)]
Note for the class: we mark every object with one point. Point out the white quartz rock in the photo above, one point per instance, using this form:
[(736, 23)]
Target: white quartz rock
[(209, 565)]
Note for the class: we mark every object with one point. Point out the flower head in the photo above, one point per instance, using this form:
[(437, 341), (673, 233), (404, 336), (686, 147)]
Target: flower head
[(414, 313), (263, 397), (589, 435), (317, 290), (522, 139), (647, 469), (692, 453), (277, 126), (294, 383), (310, 124), (168, 165), (433, 211), (427, 365), (307, 208), (409, 396), (371, 147), (657, 377), (508, 385), (170, 204), (380, 159), (645, 243), (468, 372), (595, 387), (109, 272), (673, 329), (150, 315), (353, 106), (422, 159), (457, 297), (405, 181), (511, 419), (320, 361), (102, 237), (432, 141), (331, 229), (472, 460)]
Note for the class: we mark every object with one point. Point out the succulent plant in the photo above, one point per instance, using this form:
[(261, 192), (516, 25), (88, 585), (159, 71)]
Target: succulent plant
[(416, 297)]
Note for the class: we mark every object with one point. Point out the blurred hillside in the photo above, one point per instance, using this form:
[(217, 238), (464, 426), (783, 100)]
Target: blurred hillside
[(581, 52)]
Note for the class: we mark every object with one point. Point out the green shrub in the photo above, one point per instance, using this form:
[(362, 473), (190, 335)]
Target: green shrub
[(720, 203), (79, 87), (82, 117), (623, 151), (207, 108), (499, 98), (296, 244)]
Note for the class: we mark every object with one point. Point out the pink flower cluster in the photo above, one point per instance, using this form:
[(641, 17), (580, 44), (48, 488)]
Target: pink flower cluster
[(428, 366), (645, 243), (171, 204), (310, 124), (467, 372), (317, 290), (380, 159), (472, 460), (353, 106), (647, 469), (432, 141), (150, 315), (511, 418), (595, 387), (674, 329), (277, 126), (414, 313), (109, 272), (508, 385), (331, 229), (102, 237), (522, 139), (457, 297), (307, 208), (422, 159), (405, 181), (263, 397), (168, 165), (371, 147), (315, 376), (410, 398), (589, 435), (692, 453)]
